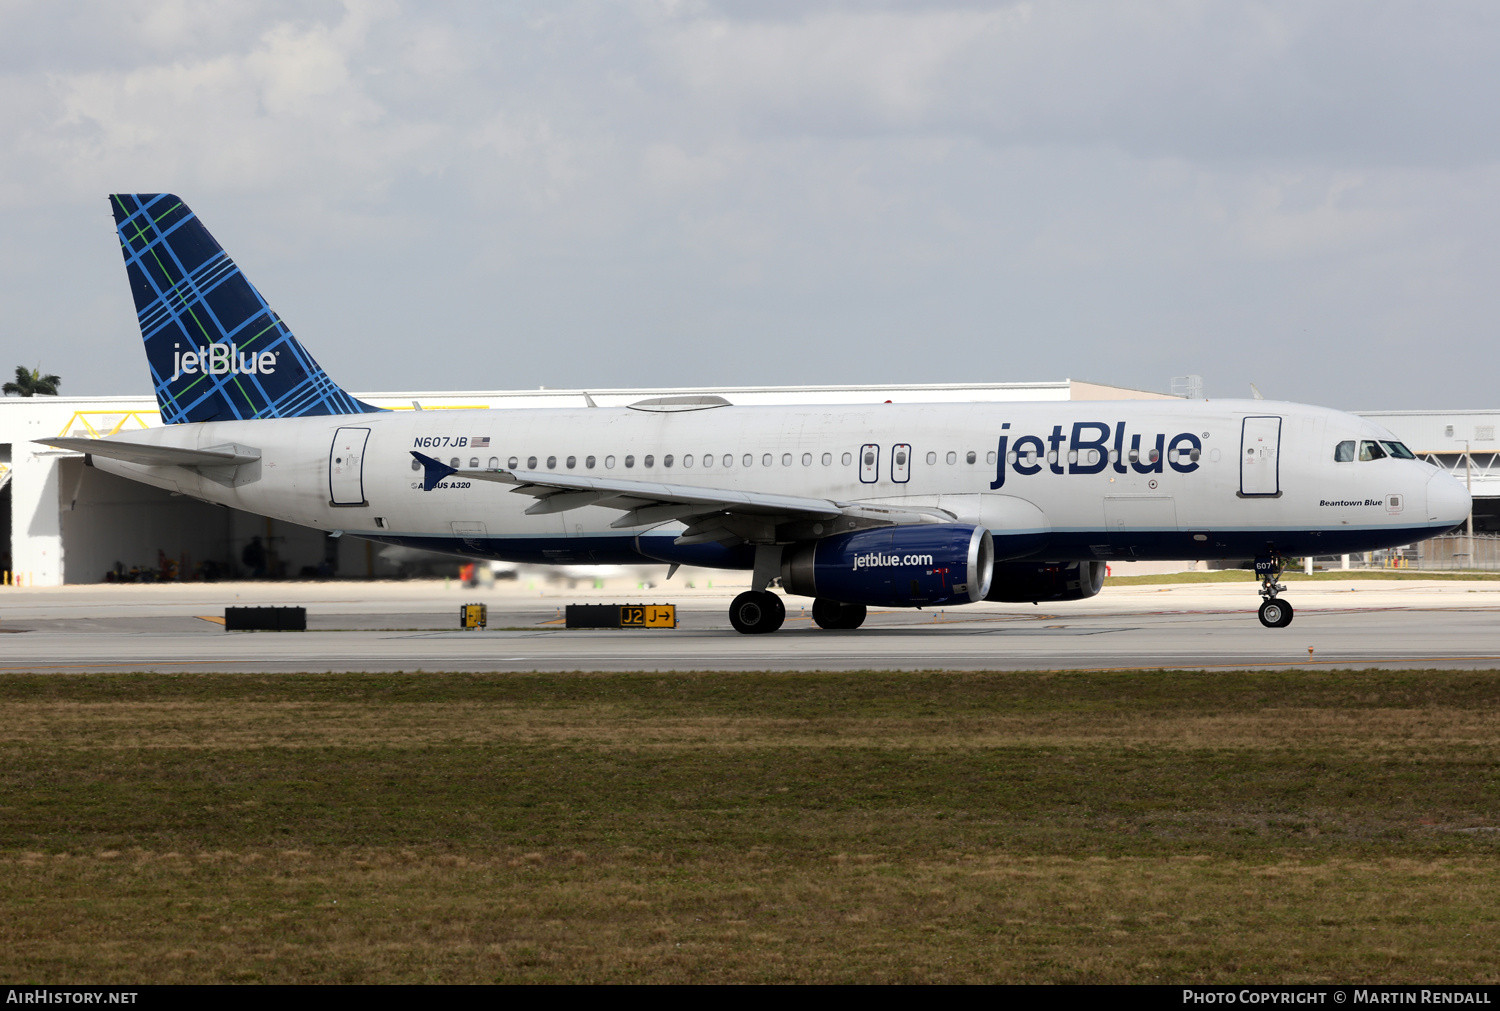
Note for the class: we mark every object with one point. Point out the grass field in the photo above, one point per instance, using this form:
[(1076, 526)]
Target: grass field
[(1153, 827)]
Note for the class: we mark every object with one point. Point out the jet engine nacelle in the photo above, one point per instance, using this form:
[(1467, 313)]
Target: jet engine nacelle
[(1032, 582), (906, 566)]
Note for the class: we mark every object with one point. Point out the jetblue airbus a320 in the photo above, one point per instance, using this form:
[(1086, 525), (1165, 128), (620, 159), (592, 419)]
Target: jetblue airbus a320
[(886, 505)]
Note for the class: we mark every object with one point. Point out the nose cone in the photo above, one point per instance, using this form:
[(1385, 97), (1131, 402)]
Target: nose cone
[(1447, 501)]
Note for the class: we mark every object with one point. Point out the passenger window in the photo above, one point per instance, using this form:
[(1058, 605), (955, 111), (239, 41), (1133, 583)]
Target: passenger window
[(531, 463), (807, 459), (765, 461), (1398, 450), (828, 459), (551, 463), (609, 463), (512, 463), (588, 462), (572, 462), (1344, 452), (666, 461), (494, 463), (952, 457), (989, 457), (970, 458), (630, 461), (687, 460), (708, 459), (847, 459), (650, 461), (748, 461), (931, 459), (786, 459), (728, 461), (1370, 450), (473, 461)]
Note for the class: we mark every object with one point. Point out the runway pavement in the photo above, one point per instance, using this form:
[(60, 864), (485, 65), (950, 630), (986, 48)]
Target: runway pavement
[(411, 626)]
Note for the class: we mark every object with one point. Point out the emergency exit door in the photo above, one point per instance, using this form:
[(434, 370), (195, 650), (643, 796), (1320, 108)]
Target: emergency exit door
[(1260, 457), (346, 467)]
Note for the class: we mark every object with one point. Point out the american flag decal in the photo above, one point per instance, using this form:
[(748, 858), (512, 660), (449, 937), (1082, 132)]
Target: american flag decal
[(480, 442)]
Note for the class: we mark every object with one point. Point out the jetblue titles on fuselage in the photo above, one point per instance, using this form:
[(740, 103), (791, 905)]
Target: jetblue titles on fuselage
[(1093, 446)]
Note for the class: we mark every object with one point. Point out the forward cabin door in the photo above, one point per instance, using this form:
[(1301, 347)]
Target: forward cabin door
[(1260, 457), (346, 467)]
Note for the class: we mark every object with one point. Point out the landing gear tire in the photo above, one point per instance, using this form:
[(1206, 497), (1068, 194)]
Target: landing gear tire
[(836, 614), (1276, 614), (756, 612)]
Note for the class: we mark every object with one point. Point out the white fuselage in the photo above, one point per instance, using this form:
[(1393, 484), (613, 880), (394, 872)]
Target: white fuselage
[(1229, 478)]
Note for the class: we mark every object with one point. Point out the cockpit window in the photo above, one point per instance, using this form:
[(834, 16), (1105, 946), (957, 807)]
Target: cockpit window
[(1398, 450), (1344, 452), (1370, 450)]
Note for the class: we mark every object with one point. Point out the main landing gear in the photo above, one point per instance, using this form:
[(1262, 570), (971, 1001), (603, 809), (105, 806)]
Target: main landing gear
[(1274, 612), (757, 611), (836, 614)]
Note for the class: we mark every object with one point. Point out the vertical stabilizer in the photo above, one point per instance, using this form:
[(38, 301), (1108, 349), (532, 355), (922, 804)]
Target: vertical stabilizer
[(217, 350)]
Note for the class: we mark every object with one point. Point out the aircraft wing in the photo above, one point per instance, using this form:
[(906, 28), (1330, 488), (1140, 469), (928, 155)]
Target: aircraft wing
[(157, 456), (712, 514)]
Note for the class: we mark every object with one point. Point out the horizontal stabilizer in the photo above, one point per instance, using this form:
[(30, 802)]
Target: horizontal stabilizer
[(229, 455)]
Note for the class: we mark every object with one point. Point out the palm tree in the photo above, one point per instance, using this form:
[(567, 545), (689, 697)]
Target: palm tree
[(31, 383)]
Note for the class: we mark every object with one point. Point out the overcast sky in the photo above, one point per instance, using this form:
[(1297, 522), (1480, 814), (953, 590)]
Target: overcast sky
[(499, 195)]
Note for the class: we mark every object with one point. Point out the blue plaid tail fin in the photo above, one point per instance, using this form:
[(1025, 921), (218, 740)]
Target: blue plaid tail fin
[(218, 351)]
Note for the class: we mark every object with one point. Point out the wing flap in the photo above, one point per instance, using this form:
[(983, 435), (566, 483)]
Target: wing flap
[(713, 514), (575, 492)]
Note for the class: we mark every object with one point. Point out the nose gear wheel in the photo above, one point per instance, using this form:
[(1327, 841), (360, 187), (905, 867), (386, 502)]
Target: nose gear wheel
[(1274, 612)]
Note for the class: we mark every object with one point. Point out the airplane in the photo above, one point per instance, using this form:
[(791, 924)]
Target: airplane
[(880, 505)]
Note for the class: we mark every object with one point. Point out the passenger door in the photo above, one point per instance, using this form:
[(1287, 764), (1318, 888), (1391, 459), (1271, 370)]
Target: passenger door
[(346, 467), (1260, 458)]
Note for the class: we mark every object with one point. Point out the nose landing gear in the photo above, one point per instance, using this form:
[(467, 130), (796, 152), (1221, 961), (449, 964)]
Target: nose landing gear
[(1274, 612)]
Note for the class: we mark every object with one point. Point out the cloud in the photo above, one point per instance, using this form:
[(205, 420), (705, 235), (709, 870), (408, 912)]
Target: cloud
[(693, 193)]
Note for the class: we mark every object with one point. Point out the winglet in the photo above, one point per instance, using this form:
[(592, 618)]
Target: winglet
[(433, 471)]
